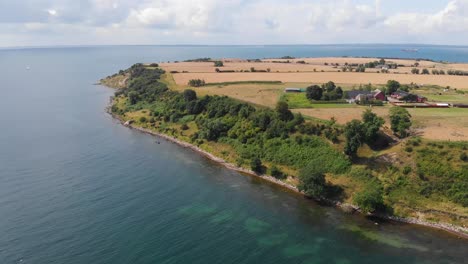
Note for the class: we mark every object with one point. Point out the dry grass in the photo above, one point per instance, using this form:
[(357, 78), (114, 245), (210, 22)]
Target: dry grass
[(436, 124), (265, 95)]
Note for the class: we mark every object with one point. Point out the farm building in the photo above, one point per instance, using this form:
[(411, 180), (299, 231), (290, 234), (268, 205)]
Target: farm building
[(379, 95), (359, 95), (293, 90), (405, 96)]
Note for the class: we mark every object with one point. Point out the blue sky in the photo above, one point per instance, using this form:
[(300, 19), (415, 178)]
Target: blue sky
[(101, 22)]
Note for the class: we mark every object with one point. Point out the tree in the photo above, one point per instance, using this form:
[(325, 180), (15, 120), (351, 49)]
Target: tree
[(371, 126), (218, 64), (392, 86), (371, 198), (283, 111), (190, 95), (425, 71), (339, 93), (410, 98), (329, 86), (312, 181), (256, 165), (415, 71), (355, 136), (314, 92), (400, 120), (405, 88), (382, 61), (133, 97)]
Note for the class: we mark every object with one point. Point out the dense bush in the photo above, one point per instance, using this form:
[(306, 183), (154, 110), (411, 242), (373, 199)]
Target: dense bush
[(442, 177), (312, 181), (371, 198), (277, 173), (196, 83), (256, 165), (400, 120)]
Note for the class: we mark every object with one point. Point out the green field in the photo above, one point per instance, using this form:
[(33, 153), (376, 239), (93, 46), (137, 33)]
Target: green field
[(299, 100)]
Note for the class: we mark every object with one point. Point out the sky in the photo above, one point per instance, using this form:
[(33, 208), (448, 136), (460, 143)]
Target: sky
[(225, 22)]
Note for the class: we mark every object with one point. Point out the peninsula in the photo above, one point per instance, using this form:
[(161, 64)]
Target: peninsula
[(374, 157)]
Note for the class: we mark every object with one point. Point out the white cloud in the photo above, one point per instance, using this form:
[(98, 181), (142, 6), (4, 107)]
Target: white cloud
[(150, 17), (453, 18), (52, 12), (229, 21)]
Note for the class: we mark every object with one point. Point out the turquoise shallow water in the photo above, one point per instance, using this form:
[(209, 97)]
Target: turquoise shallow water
[(77, 187)]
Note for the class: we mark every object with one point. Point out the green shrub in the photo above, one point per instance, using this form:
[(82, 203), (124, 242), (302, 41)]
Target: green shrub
[(407, 170), (409, 149), (463, 157), (277, 173), (256, 165), (142, 119), (312, 181), (371, 198)]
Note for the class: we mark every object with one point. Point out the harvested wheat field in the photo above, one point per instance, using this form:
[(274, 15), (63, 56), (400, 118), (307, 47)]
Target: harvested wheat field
[(316, 70), (459, 82)]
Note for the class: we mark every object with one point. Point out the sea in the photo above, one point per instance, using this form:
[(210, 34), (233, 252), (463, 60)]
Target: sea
[(77, 187)]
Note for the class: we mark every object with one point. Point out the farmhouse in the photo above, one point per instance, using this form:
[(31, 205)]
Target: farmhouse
[(360, 95), (399, 95)]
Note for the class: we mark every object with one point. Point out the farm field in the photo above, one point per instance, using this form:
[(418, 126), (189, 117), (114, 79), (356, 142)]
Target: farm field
[(459, 82), (314, 70), (434, 124)]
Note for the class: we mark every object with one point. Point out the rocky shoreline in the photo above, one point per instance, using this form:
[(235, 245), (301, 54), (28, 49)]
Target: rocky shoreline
[(459, 231)]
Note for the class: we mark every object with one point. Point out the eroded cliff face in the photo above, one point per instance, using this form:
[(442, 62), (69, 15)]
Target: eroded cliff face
[(117, 81)]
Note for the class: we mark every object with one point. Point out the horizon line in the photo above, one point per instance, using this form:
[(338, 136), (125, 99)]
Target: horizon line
[(227, 45)]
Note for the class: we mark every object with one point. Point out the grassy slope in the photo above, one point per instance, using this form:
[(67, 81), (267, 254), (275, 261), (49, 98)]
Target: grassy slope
[(402, 191)]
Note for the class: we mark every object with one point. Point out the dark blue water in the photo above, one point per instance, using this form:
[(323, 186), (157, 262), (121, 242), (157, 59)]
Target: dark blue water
[(77, 187)]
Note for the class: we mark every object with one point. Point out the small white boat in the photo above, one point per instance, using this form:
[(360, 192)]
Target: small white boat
[(410, 50)]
